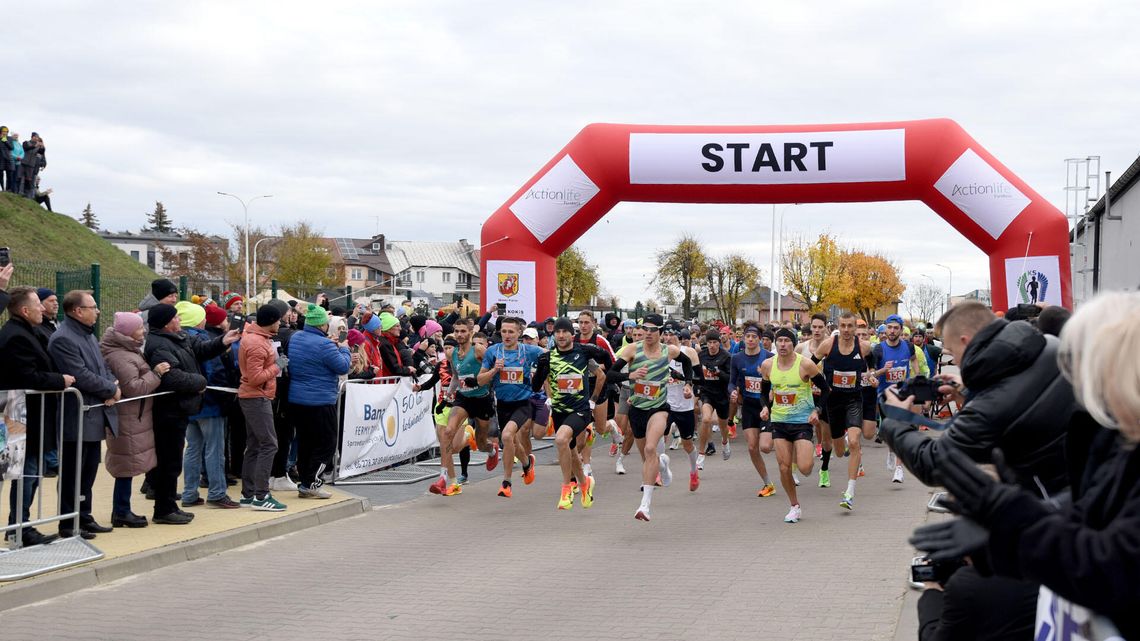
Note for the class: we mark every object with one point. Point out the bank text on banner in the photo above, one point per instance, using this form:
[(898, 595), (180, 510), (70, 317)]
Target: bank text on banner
[(383, 425)]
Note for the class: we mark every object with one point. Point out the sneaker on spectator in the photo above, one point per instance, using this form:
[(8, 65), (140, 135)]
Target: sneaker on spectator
[(313, 492), (267, 504), (282, 484), (225, 502)]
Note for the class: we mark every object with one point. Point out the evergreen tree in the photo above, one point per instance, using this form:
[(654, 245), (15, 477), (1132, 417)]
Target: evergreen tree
[(89, 219), (160, 220)]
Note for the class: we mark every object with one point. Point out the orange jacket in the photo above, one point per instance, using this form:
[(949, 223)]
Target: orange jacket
[(257, 360)]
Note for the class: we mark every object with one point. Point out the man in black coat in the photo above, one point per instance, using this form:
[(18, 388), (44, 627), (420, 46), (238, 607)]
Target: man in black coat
[(27, 365), (75, 351), (1010, 393), (167, 343)]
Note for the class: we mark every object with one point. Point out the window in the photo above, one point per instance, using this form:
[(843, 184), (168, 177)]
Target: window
[(135, 254), (447, 277), (184, 260), (150, 258), (357, 273), (463, 278), (420, 276), (375, 247)]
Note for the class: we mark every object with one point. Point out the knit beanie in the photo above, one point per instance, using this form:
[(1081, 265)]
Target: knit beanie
[(161, 288), (44, 293), (355, 337), (127, 323), (215, 315), (387, 321), (429, 328), (372, 324), (280, 305), (190, 314), (316, 316), (268, 314), (417, 321), (159, 315), (230, 298)]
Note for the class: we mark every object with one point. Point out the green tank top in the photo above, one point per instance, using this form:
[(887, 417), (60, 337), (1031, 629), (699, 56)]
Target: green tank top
[(467, 367), (791, 395), (649, 392)]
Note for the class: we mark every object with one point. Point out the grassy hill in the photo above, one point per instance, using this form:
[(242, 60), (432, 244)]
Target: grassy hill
[(36, 235)]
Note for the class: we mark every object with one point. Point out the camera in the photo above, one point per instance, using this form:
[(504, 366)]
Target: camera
[(237, 321), (923, 570), (921, 388)]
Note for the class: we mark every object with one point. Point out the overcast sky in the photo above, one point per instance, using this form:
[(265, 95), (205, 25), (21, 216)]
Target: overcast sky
[(421, 118)]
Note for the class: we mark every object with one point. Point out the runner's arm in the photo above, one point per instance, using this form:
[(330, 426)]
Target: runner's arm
[(485, 375), (686, 365), (614, 374), (823, 349), (541, 372)]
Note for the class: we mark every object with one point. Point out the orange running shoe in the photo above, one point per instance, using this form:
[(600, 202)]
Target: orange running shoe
[(694, 482), (505, 490), (587, 492), (470, 431), (439, 487), (731, 432), (453, 489), (657, 483), (767, 490), (861, 472), (566, 500), (493, 457), (613, 449), (528, 475)]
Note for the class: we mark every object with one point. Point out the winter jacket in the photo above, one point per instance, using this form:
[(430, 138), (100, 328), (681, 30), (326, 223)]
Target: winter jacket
[(17, 152), (316, 364), (391, 361), (5, 153), (185, 377), (75, 351), (1089, 551), (27, 365), (33, 159), (145, 305), (214, 369), (257, 361), (130, 452), (1017, 400)]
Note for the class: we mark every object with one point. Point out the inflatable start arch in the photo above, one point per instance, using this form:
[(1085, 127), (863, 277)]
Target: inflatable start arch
[(934, 161)]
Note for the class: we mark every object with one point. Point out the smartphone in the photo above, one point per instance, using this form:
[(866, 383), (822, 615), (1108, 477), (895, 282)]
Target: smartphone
[(238, 322), (502, 308), (5, 256), (343, 336)]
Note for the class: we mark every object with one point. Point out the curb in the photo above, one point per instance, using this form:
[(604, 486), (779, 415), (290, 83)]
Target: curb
[(55, 584)]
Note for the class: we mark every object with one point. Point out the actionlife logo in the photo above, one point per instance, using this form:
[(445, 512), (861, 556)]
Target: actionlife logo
[(998, 189), (1032, 286), (566, 196)]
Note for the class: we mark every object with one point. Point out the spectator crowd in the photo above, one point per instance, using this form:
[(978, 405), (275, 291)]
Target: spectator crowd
[(21, 164)]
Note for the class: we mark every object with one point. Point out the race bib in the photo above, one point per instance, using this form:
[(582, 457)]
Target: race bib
[(786, 399), (511, 376), (844, 380), (647, 389), (752, 384), (712, 374), (896, 375), (569, 383)]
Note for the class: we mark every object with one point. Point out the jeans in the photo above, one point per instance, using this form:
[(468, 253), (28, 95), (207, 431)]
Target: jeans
[(205, 436), (121, 498), (260, 446), (10, 179), (31, 482)]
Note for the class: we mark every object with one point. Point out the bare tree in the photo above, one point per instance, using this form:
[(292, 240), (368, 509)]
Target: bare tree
[(924, 301)]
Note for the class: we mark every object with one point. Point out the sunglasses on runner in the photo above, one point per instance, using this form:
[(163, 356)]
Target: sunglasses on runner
[(651, 328)]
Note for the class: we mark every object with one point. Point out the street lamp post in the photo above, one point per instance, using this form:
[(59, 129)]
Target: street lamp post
[(779, 297), (772, 275), (949, 286), (245, 210), (262, 240)]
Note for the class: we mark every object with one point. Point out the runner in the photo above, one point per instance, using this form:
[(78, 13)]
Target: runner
[(898, 363), (588, 334), (713, 390), (845, 367), (634, 334), (823, 446), (682, 407), (649, 372), (788, 377), (509, 365), (870, 383), (745, 387), (565, 373)]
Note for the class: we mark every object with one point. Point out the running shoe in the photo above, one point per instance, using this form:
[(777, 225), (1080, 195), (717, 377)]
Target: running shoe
[(620, 467), (898, 477), (795, 478), (642, 514), (731, 431), (505, 490), (675, 443), (574, 484), (861, 473), (793, 515), (590, 434), (700, 461), (528, 474), (267, 504), (892, 463), (727, 451), (710, 449), (493, 457), (566, 500), (767, 490), (613, 449), (716, 428), (471, 438), (847, 502), (453, 489), (825, 478), (587, 497), (694, 481), (666, 473), (819, 451), (439, 486), (463, 479)]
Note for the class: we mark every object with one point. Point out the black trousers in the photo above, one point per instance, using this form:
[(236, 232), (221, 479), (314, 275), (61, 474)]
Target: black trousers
[(284, 423), (169, 441), (235, 436), (316, 440), (88, 467)]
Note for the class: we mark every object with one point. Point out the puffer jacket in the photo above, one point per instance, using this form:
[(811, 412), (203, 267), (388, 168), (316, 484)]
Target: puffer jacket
[(213, 403), (257, 360), (316, 365), (185, 377), (1017, 400), (131, 452)]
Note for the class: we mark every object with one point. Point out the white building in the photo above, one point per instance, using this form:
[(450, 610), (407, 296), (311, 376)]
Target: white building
[(439, 268), (1105, 245), (148, 247)]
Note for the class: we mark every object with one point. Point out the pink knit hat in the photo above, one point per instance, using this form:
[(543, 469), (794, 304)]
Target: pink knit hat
[(430, 327), (127, 323)]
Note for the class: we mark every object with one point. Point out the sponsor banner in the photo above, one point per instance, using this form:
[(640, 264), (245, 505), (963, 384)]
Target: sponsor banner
[(1059, 619), (384, 425), (1034, 279), (981, 193), (554, 198), (767, 159), (512, 282)]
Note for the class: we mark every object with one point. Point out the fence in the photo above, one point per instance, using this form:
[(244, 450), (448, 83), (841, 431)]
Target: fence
[(111, 294)]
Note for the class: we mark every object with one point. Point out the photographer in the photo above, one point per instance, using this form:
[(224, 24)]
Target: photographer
[(1010, 394), (962, 604)]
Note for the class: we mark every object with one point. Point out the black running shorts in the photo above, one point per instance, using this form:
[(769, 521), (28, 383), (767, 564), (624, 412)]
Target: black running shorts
[(750, 417), (639, 418), (718, 402), (685, 420), (576, 421), (870, 404), (517, 411), (844, 411), (478, 407), (793, 431)]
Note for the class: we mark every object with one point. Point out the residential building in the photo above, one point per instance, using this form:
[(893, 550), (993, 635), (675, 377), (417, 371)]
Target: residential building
[(754, 307), (441, 268), (980, 295), (365, 263), (1105, 245), (168, 253)]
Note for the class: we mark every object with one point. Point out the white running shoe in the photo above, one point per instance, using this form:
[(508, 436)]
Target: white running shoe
[(725, 450), (795, 478), (620, 467), (793, 515), (675, 443), (898, 477), (716, 428), (666, 473), (700, 461), (892, 462), (282, 484)]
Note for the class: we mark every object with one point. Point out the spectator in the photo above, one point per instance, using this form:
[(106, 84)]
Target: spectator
[(391, 361), (130, 453), (206, 431), (33, 161), (161, 291), (5, 278), (75, 351), (47, 328), (7, 174), (28, 365), (1052, 319), (337, 322), (1011, 396), (42, 197), (316, 365), (51, 310), (373, 336), (975, 607), (361, 368), (14, 163), (259, 371), (167, 343), (232, 302), (283, 424)]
